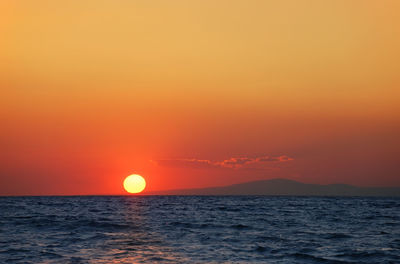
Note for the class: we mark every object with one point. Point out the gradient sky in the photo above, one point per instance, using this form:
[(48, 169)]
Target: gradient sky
[(197, 93)]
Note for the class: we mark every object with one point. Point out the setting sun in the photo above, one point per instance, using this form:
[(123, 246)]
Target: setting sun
[(134, 183)]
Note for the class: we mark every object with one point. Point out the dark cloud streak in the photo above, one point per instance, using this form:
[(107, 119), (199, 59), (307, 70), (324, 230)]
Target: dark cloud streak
[(263, 162)]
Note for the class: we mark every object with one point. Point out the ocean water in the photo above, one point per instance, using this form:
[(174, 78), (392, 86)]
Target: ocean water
[(199, 229)]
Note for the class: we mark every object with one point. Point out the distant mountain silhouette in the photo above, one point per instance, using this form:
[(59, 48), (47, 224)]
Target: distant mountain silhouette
[(286, 187)]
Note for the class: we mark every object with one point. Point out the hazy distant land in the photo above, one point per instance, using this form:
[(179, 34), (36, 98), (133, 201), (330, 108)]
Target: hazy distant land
[(285, 187)]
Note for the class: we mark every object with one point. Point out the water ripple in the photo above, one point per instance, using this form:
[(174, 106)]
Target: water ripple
[(174, 229)]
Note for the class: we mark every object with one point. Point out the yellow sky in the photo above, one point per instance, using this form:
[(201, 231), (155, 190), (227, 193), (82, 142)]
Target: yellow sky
[(306, 48)]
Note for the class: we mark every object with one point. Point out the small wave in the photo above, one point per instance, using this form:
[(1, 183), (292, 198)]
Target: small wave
[(240, 226), (271, 238), (337, 236), (182, 224), (50, 254), (364, 255), (13, 251), (305, 257), (261, 249), (77, 260), (97, 225)]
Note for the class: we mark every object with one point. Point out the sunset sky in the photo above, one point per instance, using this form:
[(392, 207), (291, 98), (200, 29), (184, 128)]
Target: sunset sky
[(196, 93)]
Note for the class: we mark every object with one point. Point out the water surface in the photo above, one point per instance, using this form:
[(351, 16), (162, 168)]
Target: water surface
[(199, 229)]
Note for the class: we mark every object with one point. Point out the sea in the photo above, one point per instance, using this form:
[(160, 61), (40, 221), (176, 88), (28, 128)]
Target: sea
[(199, 229)]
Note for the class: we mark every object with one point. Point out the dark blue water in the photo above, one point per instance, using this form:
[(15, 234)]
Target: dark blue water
[(193, 229)]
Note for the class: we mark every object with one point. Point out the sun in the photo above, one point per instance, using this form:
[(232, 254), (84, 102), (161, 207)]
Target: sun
[(134, 183)]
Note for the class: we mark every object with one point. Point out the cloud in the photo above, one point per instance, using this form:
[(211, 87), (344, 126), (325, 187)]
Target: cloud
[(274, 159), (263, 162)]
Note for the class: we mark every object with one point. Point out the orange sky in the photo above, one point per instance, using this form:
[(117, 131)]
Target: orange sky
[(197, 93)]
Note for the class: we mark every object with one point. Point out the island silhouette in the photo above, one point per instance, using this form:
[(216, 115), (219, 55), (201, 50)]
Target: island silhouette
[(285, 187)]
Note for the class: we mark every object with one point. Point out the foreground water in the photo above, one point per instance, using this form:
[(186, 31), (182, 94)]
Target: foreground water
[(195, 229)]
